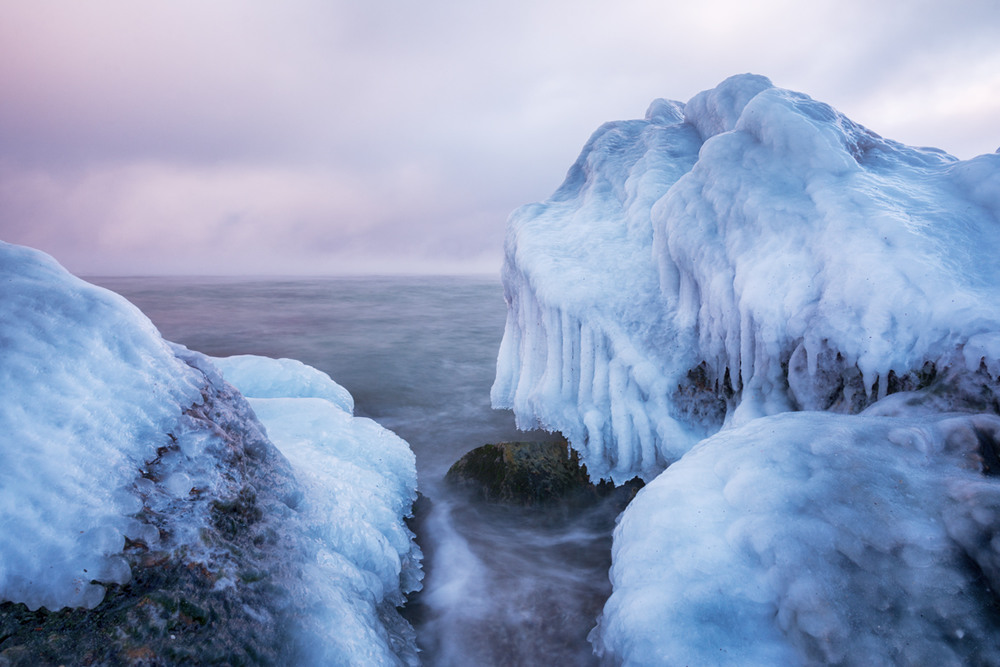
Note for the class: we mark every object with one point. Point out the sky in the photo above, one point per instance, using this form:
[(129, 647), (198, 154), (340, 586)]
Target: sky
[(315, 137)]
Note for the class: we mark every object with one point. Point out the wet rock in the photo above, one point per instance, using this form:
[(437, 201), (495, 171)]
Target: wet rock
[(531, 473)]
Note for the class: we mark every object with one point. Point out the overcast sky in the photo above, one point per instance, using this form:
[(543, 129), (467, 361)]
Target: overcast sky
[(385, 136)]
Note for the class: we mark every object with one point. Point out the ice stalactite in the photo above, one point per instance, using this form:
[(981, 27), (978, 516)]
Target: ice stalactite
[(605, 390)]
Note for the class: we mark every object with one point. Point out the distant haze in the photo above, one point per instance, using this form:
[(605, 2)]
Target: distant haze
[(391, 136)]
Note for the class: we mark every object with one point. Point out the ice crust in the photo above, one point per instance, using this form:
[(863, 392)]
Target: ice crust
[(88, 392), (813, 538), (359, 481), (104, 425), (801, 319), (263, 377), (748, 253)]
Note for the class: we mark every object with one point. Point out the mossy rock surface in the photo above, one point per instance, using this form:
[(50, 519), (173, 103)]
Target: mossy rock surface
[(522, 473)]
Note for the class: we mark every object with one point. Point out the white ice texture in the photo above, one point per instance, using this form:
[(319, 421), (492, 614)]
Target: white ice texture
[(359, 481), (813, 538), (724, 286), (91, 397), (263, 377), (691, 257), (88, 392)]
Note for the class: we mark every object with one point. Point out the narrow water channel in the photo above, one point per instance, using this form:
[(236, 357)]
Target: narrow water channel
[(504, 586)]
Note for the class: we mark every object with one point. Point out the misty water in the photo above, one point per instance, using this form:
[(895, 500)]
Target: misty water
[(504, 585)]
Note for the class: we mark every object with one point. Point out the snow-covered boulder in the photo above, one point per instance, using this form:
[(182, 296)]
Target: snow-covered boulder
[(146, 514)]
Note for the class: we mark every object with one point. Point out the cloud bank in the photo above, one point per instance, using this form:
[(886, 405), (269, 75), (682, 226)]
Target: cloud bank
[(328, 137)]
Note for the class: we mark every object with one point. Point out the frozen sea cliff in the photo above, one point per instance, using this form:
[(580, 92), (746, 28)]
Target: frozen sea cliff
[(801, 318), (151, 511)]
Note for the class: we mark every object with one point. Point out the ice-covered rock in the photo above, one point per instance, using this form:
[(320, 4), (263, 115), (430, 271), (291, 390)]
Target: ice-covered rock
[(359, 481), (136, 483), (90, 392), (813, 538), (802, 318), (748, 253)]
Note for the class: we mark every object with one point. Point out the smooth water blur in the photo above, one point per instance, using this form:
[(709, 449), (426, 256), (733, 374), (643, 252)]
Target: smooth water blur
[(505, 586)]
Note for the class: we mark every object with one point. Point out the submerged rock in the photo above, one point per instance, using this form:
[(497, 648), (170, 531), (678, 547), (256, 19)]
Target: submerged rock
[(524, 473)]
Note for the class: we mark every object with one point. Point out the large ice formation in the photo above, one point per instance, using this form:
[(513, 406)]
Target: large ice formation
[(814, 538), (801, 318), (116, 443), (748, 253)]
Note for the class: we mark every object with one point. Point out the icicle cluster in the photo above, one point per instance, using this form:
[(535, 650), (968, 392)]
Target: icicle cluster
[(745, 254)]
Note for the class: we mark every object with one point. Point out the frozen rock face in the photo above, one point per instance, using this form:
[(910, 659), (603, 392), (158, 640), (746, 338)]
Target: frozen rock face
[(147, 515), (800, 317), (206, 571), (590, 342), (748, 253)]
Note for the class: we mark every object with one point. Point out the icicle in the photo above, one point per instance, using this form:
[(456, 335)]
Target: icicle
[(602, 372), (747, 370), (644, 433), (570, 329), (812, 359), (595, 424), (587, 362), (621, 423)]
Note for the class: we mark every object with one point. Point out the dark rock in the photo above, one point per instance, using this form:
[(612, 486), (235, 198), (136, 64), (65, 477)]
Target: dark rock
[(531, 473), (524, 473), (419, 512), (988, 449), (622, 494), (415, 611)]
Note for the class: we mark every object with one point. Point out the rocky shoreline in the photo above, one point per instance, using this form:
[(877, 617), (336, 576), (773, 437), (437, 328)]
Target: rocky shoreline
[(172, 612)]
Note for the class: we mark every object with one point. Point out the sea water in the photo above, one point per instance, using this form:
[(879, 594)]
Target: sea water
[(504, 586)]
